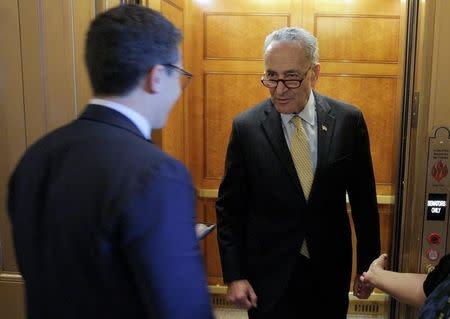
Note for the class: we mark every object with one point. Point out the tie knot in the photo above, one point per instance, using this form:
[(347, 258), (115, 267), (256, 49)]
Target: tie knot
[(297, 121)]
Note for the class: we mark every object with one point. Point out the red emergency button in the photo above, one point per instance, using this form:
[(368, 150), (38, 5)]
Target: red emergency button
[(434, 238), (432, 254)]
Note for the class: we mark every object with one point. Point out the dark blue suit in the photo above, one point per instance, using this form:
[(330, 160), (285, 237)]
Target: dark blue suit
[(103, 225)]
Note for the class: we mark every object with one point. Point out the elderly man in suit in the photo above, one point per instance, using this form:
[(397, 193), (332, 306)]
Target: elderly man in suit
[(283, 229), (102, 219)]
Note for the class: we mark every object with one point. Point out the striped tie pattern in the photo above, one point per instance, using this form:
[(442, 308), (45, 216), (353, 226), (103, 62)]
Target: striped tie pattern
[(301, 156)]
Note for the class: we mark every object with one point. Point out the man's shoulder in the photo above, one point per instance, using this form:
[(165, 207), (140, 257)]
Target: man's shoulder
[(256, 111), (335, 105)]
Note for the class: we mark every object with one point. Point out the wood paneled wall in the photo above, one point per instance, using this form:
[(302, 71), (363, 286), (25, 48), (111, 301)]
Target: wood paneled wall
[(43, 85), (361, 54), (174, 136)]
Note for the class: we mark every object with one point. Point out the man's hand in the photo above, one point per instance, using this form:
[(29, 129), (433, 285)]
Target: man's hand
[(365, 283), (241, 294), (361, 290)]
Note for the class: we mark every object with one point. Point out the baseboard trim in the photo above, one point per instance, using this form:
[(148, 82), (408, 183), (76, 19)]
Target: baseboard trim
[(376, 304)]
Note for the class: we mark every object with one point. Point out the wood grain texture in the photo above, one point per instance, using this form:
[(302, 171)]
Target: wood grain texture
[(226, 96), (173, 133), (376, 97), (239, 36), (363, 38)]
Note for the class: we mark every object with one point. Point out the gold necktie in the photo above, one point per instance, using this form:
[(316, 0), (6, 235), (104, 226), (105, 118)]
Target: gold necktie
[(301, 156)]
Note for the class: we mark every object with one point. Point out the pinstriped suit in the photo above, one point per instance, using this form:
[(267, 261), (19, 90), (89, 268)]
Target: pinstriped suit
[(263, 216)]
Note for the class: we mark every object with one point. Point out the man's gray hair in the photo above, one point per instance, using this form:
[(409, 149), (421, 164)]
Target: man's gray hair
[(293, 34)]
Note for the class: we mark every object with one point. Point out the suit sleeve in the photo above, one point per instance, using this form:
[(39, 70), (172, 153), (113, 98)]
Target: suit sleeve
[(363, 201), (231, 209), (161, 247)]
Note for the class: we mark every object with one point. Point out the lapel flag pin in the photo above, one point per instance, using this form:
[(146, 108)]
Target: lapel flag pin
[(324, 128)]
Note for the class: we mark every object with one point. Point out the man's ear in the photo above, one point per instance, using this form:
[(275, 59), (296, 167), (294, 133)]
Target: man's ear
[(153, 79), (315, 75)]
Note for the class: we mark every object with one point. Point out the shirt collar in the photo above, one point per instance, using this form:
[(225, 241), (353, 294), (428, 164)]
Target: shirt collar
[(308, 114), (141, 123)]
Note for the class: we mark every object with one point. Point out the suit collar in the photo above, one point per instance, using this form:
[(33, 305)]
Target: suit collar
[(271, 125), (102, 114), (325, 130)]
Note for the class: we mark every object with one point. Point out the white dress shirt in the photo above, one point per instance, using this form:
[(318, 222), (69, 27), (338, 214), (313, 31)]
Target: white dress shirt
[(141, 123), (308, 116)]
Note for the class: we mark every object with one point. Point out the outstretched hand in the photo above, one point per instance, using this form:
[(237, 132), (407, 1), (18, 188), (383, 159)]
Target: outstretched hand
[(365, 283), (379, 264)]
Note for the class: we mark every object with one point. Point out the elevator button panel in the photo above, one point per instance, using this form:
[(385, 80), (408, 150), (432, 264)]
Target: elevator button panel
[(436, 220)]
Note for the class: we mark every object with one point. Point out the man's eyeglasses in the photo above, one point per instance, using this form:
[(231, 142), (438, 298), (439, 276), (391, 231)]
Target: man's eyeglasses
[(290, 84), (185, 75)]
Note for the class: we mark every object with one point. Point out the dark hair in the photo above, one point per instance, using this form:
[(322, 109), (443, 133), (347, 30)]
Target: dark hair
[(124, 43)]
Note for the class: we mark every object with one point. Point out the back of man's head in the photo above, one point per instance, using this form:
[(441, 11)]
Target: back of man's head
[(124, 43)]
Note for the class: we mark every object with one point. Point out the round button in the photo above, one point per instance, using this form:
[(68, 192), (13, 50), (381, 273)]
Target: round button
[(434, 238), (432, 254)]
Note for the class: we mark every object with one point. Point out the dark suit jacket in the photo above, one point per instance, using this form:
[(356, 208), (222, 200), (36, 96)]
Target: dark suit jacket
[(103, 225), (263, 216)]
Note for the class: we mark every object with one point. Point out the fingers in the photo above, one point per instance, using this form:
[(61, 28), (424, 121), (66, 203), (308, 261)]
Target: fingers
[(242, 295), (382, 260), (241, 301), (365, 292), (363, 277), (362, 289), (253, 298)]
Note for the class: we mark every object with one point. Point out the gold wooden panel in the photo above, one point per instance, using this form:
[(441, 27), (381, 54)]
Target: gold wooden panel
[(173, 134), (211, 248), (248, 6), (12, 299), (386, 224), (376, 97), (176, 3), (360, 68), (12, 126), (440, 93), (83, 13), (173, 13), (234, 66), (103, 5), (379, 7), (57, 61), (358, 38), (173, 139), (226, 96), (13, 143), (239, 36), (33, 77), (153, 4)]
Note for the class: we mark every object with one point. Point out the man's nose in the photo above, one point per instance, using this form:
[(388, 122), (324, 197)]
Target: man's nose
[(281, 87)]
